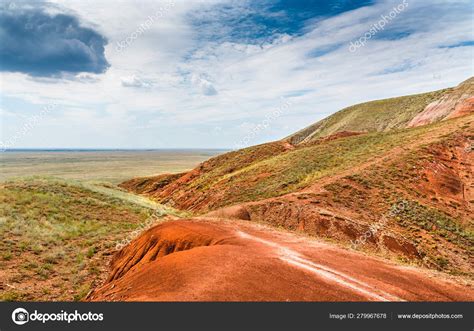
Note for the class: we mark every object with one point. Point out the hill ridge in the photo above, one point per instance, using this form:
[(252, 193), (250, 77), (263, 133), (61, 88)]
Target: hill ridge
[(393, 113)]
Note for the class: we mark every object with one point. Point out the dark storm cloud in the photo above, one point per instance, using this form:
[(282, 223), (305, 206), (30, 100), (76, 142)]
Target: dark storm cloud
[(37, 43)]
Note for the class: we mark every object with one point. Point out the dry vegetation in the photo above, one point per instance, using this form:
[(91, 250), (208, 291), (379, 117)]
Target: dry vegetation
[(58, 235)]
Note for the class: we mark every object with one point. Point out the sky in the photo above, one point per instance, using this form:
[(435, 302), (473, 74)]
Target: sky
[(214, 74)]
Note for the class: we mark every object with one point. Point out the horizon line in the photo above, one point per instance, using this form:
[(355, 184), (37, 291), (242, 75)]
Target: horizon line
[(110, 148)]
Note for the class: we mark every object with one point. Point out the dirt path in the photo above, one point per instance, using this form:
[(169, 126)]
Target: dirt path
[(340, 279), (223, 260)]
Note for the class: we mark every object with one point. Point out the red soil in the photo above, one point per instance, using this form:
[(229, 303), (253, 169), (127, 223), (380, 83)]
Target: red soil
[(463, 108), (204, 260), (458, 103)]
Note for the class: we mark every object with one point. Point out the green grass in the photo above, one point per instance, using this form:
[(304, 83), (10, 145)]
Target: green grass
[(380, 115), (11, 295), (436, 222), (58, 234)]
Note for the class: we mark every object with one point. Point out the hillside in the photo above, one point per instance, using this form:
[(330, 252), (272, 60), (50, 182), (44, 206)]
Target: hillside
[(394, 113), (58, 235), (343, 185)]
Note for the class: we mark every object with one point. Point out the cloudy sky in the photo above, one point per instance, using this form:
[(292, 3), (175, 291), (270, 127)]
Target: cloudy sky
[(215, 74)]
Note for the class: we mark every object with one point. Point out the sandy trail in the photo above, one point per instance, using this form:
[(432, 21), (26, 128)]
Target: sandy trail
[(293, 258)]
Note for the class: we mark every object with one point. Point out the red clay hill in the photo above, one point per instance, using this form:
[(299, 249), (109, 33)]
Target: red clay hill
[(372, 203), (203, 260)]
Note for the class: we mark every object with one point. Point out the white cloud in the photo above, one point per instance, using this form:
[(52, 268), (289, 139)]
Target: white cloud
[(203, 84), (134, 81)]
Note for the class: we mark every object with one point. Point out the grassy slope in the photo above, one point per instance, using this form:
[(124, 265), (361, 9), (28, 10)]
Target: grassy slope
[(57, 235), (436, 219), (380, 115), (229, 182)]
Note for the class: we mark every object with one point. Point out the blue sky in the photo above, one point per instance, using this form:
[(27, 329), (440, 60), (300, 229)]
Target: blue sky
[(214, 74)]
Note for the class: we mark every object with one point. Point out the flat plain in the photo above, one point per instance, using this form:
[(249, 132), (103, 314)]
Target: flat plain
[(108, 166)]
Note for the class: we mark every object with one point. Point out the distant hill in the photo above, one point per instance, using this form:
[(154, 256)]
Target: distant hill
[(394, 113)]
